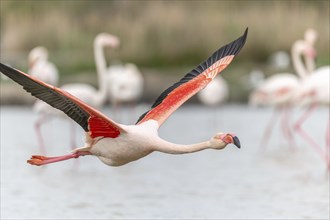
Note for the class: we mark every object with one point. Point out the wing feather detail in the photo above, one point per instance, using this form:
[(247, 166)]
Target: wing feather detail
[(91, 120), (174, 96)]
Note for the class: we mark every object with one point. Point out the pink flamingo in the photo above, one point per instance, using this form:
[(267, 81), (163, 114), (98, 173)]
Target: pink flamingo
[(214, 94), (125, 86), (313, 92), (117, 144), (278, 91), (85, 92), (40, 67)]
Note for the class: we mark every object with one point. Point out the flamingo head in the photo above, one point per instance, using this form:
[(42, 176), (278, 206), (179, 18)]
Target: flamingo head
[(107, 40), (37, 54), (311, 36), (221, 140)]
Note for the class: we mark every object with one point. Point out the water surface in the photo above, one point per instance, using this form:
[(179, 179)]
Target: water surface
[(246, 183)]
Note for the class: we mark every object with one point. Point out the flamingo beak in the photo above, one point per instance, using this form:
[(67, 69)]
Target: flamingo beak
[(236, 142)]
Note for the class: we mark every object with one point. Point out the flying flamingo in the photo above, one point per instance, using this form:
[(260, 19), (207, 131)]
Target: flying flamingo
[(40, 67), (85, 92), (125, 85), (279, 89), (117, 144)]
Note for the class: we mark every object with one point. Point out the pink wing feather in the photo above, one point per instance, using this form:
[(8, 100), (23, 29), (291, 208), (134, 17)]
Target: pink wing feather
[(173, 97), (90, 119)]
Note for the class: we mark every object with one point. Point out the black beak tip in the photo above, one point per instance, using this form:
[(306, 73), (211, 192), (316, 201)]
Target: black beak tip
[(237, 142)]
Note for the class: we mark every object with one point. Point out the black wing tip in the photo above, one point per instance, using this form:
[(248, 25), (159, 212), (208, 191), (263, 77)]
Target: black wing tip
[(8, 70), (4, 68), (243, 38), (238, 44), (46, 94)]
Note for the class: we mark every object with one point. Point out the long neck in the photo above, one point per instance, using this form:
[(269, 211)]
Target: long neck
[(298, 64), (101, 68), (310, 64), (171, 148)]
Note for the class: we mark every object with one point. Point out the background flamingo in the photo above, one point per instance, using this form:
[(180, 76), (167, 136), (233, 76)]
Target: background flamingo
[(310, 38), (215, 93), (125, 86), (279, 89), (40, 67), (314, 91), (84, 92), (116, 144)]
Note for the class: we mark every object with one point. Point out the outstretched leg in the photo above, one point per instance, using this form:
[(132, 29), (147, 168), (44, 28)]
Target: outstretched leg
[(42, 160), (39, 160), (304, 135)]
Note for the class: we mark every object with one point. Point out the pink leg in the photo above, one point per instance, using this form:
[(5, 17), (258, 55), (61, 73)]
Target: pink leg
[(327, 140), (133, 111), (305, 135), (286, 125), (327, 136), (116, 109), (269, 128), (42, 160), (215, 118), (73, 135), (37, 126)]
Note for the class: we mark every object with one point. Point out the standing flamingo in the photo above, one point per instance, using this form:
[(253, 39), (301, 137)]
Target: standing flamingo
[(117, 144), (313, 92), (84, 92), (40, 67), (279, 89), (310, 38), (125, 86), (215, 93)]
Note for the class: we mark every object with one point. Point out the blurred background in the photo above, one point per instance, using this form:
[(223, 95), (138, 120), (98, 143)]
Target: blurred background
[(160, 37), (287, 178)]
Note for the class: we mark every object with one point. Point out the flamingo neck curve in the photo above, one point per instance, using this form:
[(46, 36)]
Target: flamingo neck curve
[(297, 60), (171, 148), (101, 68)]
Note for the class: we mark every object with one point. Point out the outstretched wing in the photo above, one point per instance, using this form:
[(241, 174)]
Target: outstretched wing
[(91, 120), (192, 82)]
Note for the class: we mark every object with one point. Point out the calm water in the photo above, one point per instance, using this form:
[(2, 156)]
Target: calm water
[(276, 182)]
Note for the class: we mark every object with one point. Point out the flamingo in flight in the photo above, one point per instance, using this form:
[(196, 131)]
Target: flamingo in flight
[(117, 144)]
